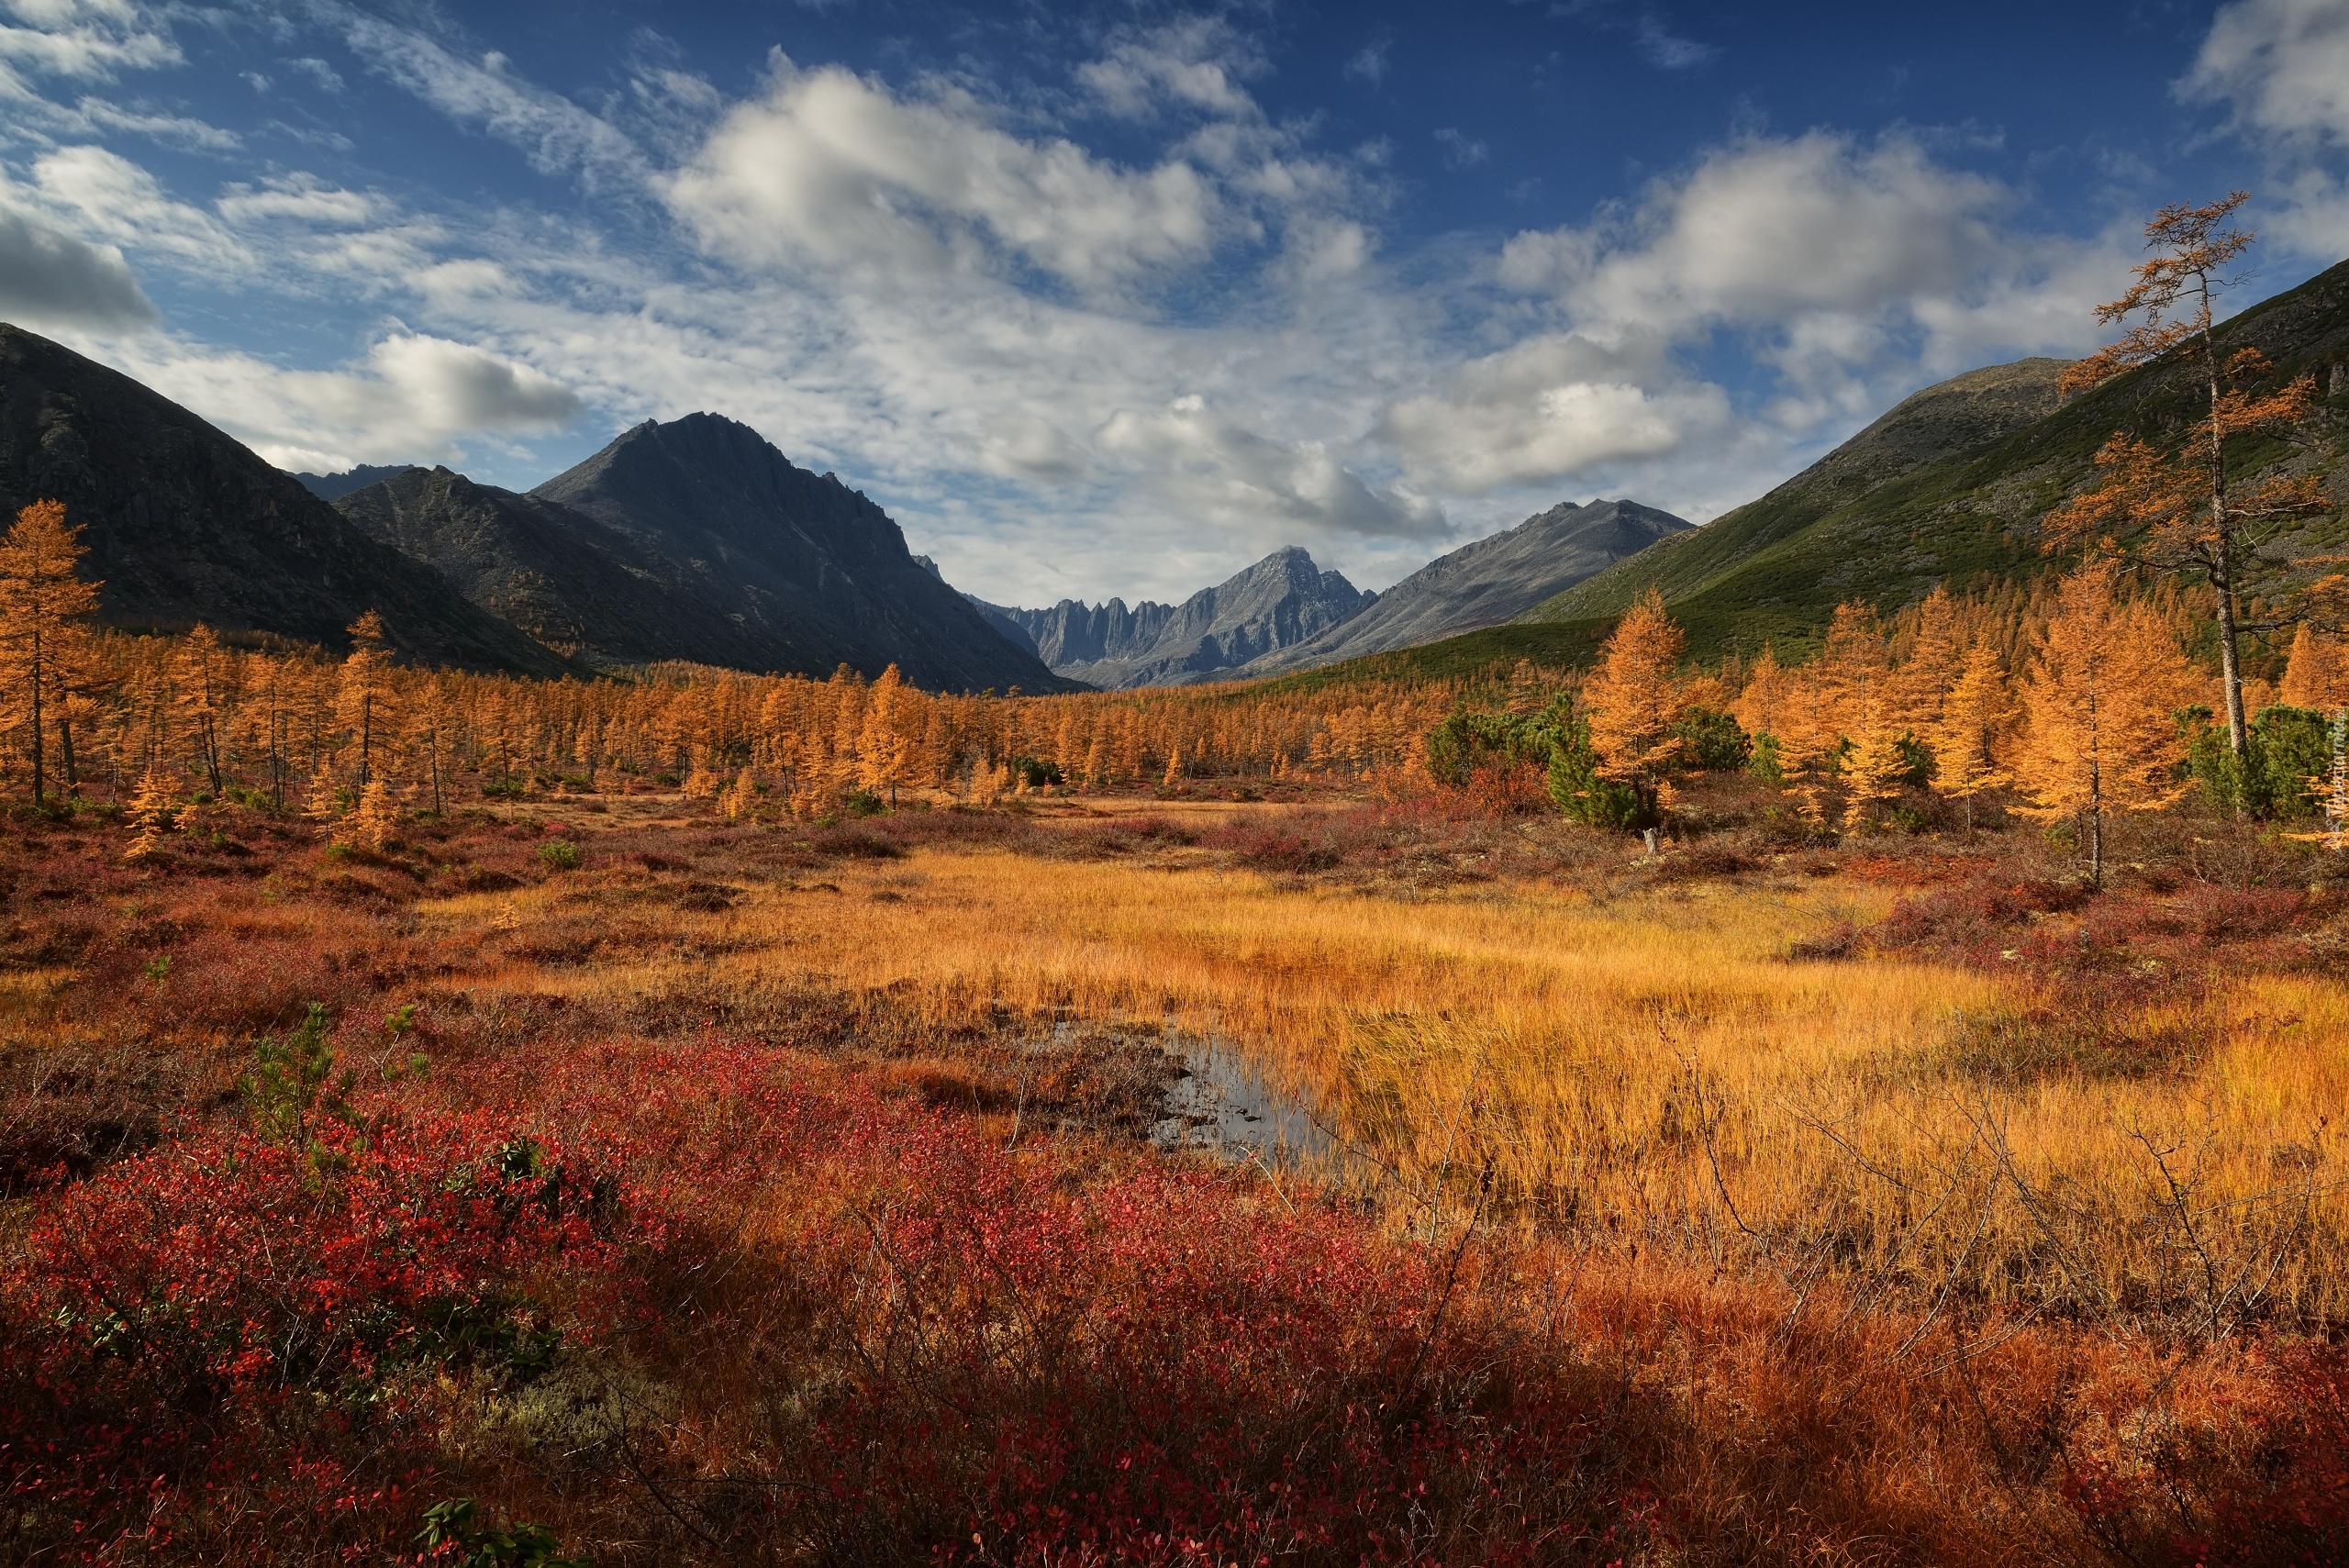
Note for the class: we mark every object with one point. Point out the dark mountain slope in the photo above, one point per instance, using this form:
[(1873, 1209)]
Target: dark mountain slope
[(1488, 581), (1278, 603), (795, 561), (569, 581), (1949, 487), (185, 524)]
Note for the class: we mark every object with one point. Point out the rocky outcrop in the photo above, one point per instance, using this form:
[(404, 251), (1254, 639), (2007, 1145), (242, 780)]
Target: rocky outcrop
[(185, 524), (1486, 582), (1280, 602)]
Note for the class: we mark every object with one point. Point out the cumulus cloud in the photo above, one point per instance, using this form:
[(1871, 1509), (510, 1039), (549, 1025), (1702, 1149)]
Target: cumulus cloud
[(1549, 407), (832, 168), (1237, 475), (2280, 68), (1768, 228), (48, 279), (2281, 65), (414, 397)]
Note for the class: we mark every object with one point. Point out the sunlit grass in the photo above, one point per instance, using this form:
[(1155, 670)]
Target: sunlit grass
[(1650, 1070)]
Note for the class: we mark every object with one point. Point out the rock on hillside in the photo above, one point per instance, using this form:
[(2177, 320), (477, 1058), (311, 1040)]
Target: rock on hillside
[(1283, 600), (798, 564), (185, 524), (1486, 582), (570, 581)]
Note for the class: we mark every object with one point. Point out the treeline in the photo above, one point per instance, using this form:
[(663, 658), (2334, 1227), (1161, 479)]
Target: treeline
[(162, 719), (2073, 695)]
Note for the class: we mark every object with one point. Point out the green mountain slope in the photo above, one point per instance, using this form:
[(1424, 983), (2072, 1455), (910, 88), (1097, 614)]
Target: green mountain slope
[(1947, 487)]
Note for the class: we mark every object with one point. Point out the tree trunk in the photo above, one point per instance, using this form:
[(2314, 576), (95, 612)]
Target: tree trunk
[(65, 756), (39, 674)]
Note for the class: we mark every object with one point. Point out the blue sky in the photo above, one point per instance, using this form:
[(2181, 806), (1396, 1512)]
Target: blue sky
[(1116, 299)]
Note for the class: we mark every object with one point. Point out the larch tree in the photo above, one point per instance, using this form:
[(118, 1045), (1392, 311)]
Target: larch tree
[(2100, 735), (1975, 716), (1634, 701), (199, 680), (365, 696), (2184, 510), (2317, 675), (43, 604)]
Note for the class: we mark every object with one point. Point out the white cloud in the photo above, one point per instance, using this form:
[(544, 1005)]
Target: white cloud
[(1667, 50), (1547, 408), (1370, 64), (1197, 64), (1767, 229), (298, 198), (48, 279), (115, 200), (80, 39), (829, 168), (414, 397), (2281, 69), (2281, 65), (555, 134), (1237, 476)]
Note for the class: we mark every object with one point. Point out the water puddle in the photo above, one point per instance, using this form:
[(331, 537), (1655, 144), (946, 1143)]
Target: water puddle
[(1225, 1105)]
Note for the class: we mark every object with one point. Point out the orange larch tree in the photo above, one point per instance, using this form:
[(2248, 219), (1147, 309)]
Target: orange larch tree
[(2100, 735), (43, 602), (1634, 700)]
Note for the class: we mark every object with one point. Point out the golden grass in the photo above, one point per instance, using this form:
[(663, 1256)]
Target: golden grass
[(1650, 1071)]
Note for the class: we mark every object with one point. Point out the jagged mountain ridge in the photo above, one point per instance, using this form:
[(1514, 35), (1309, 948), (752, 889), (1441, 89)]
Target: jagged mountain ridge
[(796, 560), (334, 487), (1486, 581), (183, 523), (1282, 600)]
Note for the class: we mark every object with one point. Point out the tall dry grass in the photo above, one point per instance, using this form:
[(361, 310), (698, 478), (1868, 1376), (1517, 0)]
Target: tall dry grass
[(1650, 1070)]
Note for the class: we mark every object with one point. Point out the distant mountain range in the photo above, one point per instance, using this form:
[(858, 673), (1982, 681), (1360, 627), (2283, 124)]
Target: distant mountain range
[(1285, 614), (1485, 582), (1281, 601), (694, 540)]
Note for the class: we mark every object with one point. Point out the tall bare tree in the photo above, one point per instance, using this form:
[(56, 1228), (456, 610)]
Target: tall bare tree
[(2182, 510)]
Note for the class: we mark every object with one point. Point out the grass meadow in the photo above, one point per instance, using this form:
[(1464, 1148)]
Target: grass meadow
[(654, 1189)]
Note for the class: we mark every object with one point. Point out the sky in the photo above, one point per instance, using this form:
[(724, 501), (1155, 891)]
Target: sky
[(1114, 299)]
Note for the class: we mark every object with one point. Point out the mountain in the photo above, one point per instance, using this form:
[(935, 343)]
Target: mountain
[(799, 566), (1947, 487), (568, 580), (1283, 600), (334, 487), (185, 524), (1486, 582), (1964, 413)]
